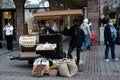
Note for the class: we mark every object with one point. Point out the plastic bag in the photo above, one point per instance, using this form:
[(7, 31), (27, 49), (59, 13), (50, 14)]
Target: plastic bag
[(42, 61), (38, 70), (55, 27)]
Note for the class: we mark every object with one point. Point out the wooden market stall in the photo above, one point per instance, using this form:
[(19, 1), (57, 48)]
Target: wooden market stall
[(55, 38)]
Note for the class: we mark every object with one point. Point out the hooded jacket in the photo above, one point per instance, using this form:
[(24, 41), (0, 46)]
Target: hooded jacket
[(76, 34)]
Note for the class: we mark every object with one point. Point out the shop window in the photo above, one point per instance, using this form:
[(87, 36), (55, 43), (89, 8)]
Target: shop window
[(36, 3), (7, 15), (31, 7)]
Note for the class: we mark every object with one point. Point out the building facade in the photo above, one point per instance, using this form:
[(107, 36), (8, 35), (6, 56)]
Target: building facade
[(91, 10)]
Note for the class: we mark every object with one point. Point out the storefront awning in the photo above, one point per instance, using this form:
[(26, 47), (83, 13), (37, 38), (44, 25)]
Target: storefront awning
[(57, 14)]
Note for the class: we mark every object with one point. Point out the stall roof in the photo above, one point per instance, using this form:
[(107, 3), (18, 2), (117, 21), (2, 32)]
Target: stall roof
[(57, 14)]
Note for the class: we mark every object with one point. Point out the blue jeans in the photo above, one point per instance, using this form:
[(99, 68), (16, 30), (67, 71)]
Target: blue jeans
[(112, 46), (86, 42)]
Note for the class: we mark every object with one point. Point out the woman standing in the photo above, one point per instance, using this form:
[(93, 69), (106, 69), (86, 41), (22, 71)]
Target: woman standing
[(9, 36), (110, 34)]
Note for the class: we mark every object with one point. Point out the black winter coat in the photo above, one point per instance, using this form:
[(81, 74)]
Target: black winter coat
[(77, 36), (107, 35)]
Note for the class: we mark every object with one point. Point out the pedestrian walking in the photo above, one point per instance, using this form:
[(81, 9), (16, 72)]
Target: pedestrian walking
[(77, 38), (90, 26), (9, 36), (110, 34), (86, 28)]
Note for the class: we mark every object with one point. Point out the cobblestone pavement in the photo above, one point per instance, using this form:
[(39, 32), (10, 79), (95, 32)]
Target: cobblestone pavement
[(94, 67)]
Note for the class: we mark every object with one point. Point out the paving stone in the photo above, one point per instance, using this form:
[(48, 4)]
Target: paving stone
[(94, 68)]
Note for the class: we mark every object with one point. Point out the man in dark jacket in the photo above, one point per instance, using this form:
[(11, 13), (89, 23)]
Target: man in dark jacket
[(77, 38), (110, 34)]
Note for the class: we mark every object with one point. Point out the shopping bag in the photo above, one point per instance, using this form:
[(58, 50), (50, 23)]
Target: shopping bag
[(93, 38)]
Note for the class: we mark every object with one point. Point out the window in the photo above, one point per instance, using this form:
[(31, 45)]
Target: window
[(32, 7), (36, 4)]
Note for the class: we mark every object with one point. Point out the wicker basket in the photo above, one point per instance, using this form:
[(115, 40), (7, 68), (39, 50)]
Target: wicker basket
[(53, 72)]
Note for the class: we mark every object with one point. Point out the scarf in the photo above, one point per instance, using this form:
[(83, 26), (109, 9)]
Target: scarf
[(113, 32)]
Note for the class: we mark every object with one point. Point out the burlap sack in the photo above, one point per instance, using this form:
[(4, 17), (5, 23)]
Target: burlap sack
[(67, 67), (52, 72), (72, 67), (63, 69)]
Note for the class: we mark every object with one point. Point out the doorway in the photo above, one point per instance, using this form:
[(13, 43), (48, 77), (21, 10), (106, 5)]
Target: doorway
[(5, 17)]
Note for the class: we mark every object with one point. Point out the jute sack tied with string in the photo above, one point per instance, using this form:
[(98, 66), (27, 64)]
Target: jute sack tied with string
[(67, 67)]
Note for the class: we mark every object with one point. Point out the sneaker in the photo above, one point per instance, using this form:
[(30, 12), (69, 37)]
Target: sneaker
[(116, 59), (107, 60)]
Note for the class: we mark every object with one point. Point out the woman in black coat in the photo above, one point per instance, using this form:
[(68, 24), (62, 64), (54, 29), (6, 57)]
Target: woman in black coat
[(77, 38), (110, 34)]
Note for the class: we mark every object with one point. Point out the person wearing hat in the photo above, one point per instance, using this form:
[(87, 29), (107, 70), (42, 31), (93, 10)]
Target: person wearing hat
[(86, 28)]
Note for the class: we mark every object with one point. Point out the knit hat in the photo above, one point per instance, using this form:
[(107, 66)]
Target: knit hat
[(85, 20)]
